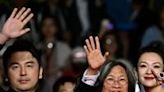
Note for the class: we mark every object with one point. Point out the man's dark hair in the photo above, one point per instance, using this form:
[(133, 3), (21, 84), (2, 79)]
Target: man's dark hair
[(20, 45)]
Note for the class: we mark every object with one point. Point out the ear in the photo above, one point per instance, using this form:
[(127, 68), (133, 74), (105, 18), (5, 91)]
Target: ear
[(41, 73)]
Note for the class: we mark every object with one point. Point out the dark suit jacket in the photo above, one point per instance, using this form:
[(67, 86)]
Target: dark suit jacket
[(82, 87), (1, 46)]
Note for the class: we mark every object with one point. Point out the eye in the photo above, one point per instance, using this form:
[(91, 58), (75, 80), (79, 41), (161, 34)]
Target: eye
[(156, 66), (142, 66), (30, 65), (122, 79), (109, 78), (13, 67)]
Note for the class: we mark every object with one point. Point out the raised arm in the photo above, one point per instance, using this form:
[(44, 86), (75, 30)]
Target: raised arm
[(95, 60), (94, 55), (14, 25)]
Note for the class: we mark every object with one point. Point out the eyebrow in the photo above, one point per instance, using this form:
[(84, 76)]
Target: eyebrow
[(152, 63), (113, 76), (157, 63), (142, 62), (13, 63), (28, 62)]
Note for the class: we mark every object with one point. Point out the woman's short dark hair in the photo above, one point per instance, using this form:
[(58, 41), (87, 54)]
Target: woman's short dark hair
[(155, 47), (20, 45), (106, 69)]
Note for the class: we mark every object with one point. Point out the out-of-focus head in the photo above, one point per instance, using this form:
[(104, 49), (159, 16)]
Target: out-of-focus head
[(22, 66), (53, 1), (49, 26), (78, 59), (20, 3), (110, 43), (65, 84), (161, 16), (150, 64), (117, 75)]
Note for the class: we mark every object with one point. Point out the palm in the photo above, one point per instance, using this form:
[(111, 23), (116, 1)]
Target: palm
[(94, 55), (95, 59), (13, 27), (15, 23)]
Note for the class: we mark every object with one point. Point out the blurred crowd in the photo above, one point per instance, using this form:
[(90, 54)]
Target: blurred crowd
[(59, 29)]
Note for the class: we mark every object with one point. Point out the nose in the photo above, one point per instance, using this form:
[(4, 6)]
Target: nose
[(116, 84), (23, 71), (149, 71)]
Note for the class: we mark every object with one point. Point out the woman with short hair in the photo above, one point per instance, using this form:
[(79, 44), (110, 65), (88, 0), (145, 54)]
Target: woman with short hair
[(105, 75), (149, 66)]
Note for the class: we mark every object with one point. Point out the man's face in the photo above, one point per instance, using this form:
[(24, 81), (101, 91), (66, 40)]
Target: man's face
[(23, 71)]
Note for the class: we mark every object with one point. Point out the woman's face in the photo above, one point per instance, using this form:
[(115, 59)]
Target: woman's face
[(49, 27), (162, 18), (150, 64), (116, 80)]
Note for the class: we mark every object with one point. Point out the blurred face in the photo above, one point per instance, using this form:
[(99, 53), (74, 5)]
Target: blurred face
[(116, 81), (111, 44), (149, 64), (67, 87), (23, 71), (162, 18), (49, 28)]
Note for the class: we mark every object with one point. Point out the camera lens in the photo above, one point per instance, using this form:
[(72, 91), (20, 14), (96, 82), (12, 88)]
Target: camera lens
[(162, 74)]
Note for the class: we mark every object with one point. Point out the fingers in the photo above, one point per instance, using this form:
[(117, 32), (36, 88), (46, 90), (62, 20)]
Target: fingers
[(13, 13), (159, 79), (27, 19), (25, 14), (86, 50), (155, 74), (20, 13), (88, 45), (106, 55), (97, 43), (92, 42), (24, 31)]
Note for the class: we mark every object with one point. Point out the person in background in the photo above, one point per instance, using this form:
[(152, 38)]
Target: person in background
[(109, 39), (110, 42), (65, 84), (154, 32), (149, 66), (55, 53)]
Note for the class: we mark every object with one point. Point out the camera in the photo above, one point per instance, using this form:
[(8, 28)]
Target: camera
[(161, 75)]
